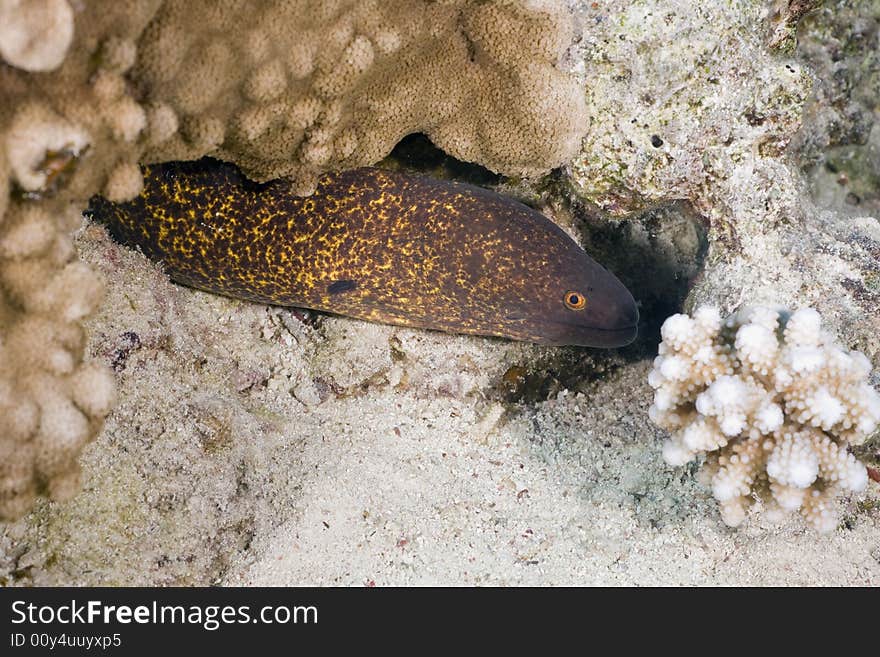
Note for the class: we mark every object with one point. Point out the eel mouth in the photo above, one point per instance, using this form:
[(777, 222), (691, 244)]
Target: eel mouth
[(616, 337), (571, 334), (578, 335)]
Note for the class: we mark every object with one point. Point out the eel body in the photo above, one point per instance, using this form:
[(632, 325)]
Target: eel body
[(377, 245)]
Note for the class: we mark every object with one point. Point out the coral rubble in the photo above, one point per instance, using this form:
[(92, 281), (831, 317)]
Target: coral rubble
[(773, 400)]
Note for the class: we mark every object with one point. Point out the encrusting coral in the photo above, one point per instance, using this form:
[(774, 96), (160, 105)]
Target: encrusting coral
[(304, 87), (773, 401), (51, 404)]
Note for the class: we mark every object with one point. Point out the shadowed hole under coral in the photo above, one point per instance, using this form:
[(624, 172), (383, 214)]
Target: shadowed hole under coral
[(416, 153)]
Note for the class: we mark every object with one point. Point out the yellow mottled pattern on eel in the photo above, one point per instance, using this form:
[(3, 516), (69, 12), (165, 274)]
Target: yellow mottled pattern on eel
[(377, 245)]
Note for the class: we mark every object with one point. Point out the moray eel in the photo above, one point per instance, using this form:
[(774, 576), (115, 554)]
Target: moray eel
[(377, 245)]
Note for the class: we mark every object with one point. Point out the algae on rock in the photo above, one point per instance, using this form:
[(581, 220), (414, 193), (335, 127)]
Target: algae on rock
[(688, 103)]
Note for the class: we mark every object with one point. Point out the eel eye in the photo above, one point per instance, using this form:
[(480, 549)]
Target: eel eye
[(575, 300)]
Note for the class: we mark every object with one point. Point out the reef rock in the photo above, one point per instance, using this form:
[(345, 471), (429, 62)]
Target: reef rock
[(707, 118)]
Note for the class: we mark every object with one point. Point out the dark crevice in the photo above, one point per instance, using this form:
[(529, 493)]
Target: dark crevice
[(657, 255), (417, 154)]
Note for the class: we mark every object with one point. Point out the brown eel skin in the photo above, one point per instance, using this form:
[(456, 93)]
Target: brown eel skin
[(378, 245)]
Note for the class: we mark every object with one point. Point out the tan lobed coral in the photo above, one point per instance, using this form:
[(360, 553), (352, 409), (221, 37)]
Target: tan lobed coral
[(90, 90), (773, 400), (296, 88), (64, 124), (35, 34)]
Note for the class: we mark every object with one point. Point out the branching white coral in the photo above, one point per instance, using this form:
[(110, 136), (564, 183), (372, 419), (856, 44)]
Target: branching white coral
[(772, 401)]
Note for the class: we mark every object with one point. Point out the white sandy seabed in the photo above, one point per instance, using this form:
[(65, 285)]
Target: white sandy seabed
[(251, 448)]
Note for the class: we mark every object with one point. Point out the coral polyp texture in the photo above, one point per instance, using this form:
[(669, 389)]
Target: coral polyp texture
[(51, 403), (297, 88), (35, 34), (68, 126), (772, 401)]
